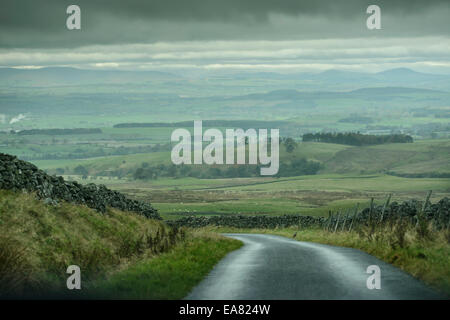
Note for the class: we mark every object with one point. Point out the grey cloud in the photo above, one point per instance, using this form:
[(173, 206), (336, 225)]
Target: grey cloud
[(41, 24)]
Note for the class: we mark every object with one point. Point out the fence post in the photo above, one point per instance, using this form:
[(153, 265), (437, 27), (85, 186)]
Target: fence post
[(330, 222), (354, 216), (370, 210), (424, 206), (385, 206), (327, 222), (337, 221), (345, 219)]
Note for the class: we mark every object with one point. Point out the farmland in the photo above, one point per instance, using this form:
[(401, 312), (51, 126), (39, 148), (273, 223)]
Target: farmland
[(76, 131), (398, 101), (350, 175)]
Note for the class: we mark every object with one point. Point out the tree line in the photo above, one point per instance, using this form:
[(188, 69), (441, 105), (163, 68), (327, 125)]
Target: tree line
[(296, 167), (57, 132), (356, 138)]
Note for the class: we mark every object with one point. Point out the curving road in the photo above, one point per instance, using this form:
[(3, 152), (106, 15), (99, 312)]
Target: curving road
[(271, 267)]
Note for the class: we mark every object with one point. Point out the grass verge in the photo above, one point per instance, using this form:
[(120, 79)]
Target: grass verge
[(170, 275)]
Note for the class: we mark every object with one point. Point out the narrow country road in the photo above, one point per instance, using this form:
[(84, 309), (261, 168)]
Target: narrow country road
[(271, 267)]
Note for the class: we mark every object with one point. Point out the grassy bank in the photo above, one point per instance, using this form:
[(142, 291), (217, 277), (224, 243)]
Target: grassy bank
[(427, 259), (38, 242), (171, 275)]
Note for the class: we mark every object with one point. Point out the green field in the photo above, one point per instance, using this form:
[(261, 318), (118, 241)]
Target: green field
[(423, 156), (349, 176), (312, 195)]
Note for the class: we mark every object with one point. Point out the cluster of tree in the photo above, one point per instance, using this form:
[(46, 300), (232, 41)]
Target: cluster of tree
[(356, 138), (293, 168), (146, 172), (298, 167), (81, 170), (58, 132), (289, 144)]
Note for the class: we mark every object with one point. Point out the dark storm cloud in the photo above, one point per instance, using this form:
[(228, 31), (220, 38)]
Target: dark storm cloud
[(34, 24)]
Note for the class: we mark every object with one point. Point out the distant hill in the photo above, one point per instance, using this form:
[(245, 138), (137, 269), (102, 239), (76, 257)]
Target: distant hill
[(405, 73), (390, 77), (99, 98), (421, 159), (334, 75), (358, 93), (57, 76), (53, 76), (394, 90)]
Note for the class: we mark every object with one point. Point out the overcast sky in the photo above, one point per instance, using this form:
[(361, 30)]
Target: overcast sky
[(257, 35)]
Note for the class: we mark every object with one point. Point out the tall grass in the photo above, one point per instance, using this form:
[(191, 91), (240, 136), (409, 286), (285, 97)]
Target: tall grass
[(417, 244), (38, 242), (14, 265)]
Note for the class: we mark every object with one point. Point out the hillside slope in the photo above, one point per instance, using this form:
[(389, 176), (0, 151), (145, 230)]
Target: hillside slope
[(39, 241), (420, 157)]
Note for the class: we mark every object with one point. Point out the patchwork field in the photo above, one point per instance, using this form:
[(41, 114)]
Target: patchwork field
[(349, 175)]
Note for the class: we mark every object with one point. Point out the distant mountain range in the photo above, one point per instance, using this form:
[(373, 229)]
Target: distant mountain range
[(66, 76), (56, 76), (168, 97), (394, 77), (365, 93)]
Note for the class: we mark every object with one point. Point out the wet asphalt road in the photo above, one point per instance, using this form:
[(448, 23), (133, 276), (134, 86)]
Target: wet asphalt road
[(271, 267)]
